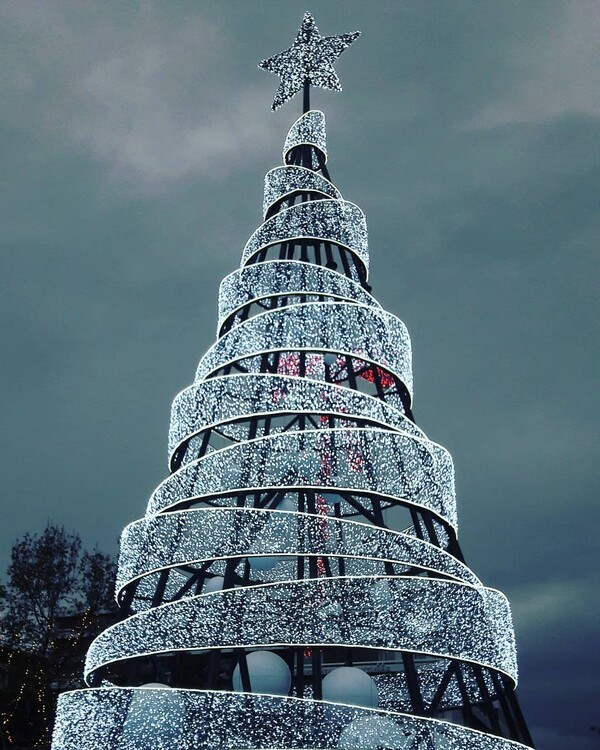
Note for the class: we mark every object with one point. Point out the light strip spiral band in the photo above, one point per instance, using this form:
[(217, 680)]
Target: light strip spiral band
[(336, 327), (117, 718), (395, 466), (308, 130), (220, 401), (282, 182), (192, 536), (292, 278), (289, 453), (422, 615), (335, 221)]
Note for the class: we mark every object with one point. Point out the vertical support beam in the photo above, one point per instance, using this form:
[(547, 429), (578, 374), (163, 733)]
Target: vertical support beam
[(159, 591), (214, 661), (506, 709), (350, 374), (341, 562), (127, 598), (377, 381), (345, 263), (412, 681), (329, 255), (317, 660), (205, 442), (486, 699), (469, 717), (244, 674), (299, 672), (416, 523), (302, 364), (302, 509), (303, 251), (516, 710), (442, 687), (306, 96), (433, 537), (317, 253)]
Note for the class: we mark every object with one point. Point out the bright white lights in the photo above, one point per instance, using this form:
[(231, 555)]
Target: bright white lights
[(286, 278), (336, 221), (428, 616), (228, 721), (308, 130), (284, 181), (337, 327)]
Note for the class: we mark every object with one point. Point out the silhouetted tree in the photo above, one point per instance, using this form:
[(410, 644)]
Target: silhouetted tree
[(56, 598)]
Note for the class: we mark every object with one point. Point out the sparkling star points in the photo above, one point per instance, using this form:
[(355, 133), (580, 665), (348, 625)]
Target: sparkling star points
[(310, 58)]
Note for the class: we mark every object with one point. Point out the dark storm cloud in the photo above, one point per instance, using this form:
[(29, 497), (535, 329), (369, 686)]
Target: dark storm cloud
[(135, 139)]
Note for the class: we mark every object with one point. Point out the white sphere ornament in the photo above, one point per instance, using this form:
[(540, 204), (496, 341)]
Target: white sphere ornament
[(268, 673), (350, 685), (374, 733)]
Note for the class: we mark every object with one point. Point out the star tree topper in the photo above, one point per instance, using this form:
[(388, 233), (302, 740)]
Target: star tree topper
[(309, 59)]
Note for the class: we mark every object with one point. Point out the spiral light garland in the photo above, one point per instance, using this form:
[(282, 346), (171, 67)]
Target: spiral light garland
[(268, 603)]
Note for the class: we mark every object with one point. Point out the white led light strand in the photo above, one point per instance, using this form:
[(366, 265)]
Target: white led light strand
[(429, 616), (336, 327), (290, 277), (221, 401), (285, 181), (308, 130), (335, 221), (132, 719)]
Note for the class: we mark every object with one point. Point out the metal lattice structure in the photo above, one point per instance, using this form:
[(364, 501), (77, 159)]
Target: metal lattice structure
[(268, 602)]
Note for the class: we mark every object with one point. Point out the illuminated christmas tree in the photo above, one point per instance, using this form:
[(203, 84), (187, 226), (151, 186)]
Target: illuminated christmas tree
[(269, 604)]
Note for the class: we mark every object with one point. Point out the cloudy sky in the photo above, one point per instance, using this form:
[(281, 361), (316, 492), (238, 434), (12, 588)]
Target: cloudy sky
[(135, 137)]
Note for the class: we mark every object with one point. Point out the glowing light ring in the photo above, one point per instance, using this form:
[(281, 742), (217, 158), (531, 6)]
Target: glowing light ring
[(193, 536), (289, 277), (339, 222), (368, 460), (253, 365), (283, 181), (337, 327), (141, 718), (422, 615), (308, 130), (218, 401)]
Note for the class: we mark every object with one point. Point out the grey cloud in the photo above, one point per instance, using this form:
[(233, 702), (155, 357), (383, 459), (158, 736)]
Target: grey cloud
[(559, 74), (123, 93)]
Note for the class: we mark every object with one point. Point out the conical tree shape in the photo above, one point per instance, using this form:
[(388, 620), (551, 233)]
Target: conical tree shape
[(269, 603)]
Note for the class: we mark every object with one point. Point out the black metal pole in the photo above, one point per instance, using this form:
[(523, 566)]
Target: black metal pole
[(306, 104)]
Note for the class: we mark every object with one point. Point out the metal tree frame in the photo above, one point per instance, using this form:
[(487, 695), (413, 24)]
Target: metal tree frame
[(295, 445)]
